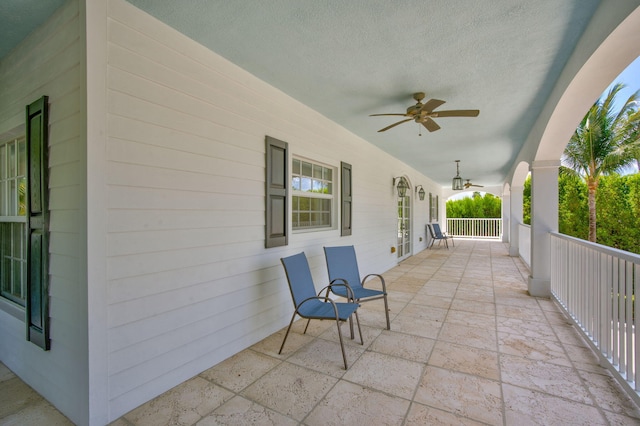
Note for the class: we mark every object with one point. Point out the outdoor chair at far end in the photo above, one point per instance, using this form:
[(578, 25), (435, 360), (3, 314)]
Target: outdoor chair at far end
[(310, 305), (438, 235), (343, 267)]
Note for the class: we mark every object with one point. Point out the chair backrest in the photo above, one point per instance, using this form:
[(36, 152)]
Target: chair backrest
[(430, 228), (342, 263), (436, 229), (299, 277)]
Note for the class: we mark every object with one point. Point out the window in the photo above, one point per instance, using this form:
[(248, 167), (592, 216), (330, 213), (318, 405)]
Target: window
[(13, 221), (433, 208), (312, 198)]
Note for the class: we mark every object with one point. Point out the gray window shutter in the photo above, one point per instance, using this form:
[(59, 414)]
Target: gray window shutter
[(276, 192), (37, 309), (346, 197)]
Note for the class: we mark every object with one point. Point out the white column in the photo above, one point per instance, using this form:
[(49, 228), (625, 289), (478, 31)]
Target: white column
[(516, 220), (506, 217), (544, 219)]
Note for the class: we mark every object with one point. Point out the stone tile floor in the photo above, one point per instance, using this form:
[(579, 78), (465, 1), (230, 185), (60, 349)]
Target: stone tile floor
[(467, 346)]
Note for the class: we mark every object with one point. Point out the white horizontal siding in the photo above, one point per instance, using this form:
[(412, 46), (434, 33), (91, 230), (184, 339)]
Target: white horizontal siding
[(189, 280), (48, 62)]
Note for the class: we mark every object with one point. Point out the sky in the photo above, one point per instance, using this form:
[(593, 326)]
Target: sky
[(631, 78)]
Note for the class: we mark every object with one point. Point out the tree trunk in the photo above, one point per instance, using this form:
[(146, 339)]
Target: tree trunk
[(592, 186)]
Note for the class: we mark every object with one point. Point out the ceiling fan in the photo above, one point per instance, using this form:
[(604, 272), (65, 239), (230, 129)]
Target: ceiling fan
[(424, 113), (468, 185)]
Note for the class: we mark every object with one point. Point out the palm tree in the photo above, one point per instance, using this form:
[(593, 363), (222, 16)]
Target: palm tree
[(604, 142)]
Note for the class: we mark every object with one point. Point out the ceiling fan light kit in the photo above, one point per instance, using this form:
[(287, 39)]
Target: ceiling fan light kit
[(424, 113)]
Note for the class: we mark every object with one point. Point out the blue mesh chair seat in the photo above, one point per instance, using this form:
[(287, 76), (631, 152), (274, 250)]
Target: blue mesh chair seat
[(342, 265), (310, 305)]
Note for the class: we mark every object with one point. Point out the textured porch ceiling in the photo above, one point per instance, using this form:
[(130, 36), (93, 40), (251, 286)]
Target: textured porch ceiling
[(349, 59)]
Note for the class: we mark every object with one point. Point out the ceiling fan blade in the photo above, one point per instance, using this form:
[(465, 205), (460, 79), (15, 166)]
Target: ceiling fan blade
[(430, 125), (456, 113), (395, 124), (378, 115), (431, 105)]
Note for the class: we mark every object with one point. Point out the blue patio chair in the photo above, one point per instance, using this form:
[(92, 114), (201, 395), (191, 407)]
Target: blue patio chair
[(438, 235), (343, 267), (311, 306)]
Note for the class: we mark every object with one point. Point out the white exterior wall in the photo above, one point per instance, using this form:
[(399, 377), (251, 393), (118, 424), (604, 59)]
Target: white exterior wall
[(48, 63), (189, 280)]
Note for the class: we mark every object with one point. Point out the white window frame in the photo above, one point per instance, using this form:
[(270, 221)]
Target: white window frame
[(300, 189), (13, 262)]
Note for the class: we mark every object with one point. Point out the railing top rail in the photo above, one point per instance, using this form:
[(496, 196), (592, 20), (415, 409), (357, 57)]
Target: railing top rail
[(625, 255)]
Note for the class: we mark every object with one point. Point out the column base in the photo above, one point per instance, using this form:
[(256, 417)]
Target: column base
[(539, 288)]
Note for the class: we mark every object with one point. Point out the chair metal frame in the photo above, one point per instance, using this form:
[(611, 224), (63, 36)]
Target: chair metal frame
[(309, 306), (340, 258), (438, 235)]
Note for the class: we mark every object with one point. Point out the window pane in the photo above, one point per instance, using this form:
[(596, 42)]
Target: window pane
[(3, 162), (305, 184), (22, 158), (22, 196), (317, 172), (295, 183), (316, 186), (295, 167), (327, 174), (306, 169), (12, 209), (11, 167), (3, 198)]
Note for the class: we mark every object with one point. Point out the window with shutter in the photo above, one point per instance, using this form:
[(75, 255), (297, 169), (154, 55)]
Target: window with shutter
[(276, 192), (37, 302), (346, 197)]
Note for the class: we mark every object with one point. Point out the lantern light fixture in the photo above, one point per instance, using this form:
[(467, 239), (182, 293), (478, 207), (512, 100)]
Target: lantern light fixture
[(401, 186), (420, 192), (456, 184)]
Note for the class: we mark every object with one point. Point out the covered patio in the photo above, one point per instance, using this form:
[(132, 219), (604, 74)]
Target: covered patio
[(467, 345)]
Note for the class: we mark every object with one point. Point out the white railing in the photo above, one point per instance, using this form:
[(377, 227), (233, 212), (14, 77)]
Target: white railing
[(595, 285), (475, 228), (524, 243)]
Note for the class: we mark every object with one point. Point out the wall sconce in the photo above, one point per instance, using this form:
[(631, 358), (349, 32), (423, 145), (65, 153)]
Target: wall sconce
[(420, 193), (456, 184), (401, 186)]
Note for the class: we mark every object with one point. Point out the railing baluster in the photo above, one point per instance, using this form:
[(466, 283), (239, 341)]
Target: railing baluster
[(596, 286)]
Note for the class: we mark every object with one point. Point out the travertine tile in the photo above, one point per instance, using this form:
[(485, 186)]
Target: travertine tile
[(421, 415), (527, 407), (396, 376), (413, 348), (533, 348), (185, 404), (271, 345), (239, 371), (471, 336), (471, 319), (351, 404), (325, 356), (241, 411), (290, 390), (465, 359), (469, 396), (527, 328), (609, 395), (544, 377)]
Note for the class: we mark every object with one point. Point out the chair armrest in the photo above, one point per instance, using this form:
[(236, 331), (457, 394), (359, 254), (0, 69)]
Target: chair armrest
[(325, 299), (384, 286), (340, 282)]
